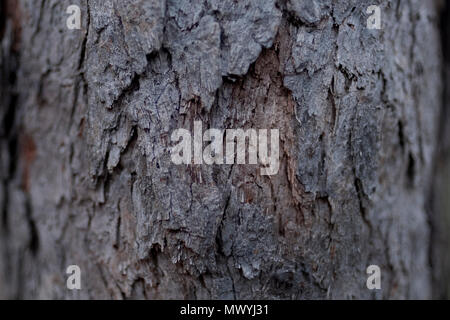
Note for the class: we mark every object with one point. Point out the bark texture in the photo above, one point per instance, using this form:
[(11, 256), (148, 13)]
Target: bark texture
[(86, 176)]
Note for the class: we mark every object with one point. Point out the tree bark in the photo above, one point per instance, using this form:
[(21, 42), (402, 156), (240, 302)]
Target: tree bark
[(85, 171)]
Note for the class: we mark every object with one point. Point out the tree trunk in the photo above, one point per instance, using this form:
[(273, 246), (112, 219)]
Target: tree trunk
[(86, 176)]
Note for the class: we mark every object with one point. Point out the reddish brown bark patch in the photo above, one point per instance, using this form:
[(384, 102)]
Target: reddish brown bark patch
[(28, 154)]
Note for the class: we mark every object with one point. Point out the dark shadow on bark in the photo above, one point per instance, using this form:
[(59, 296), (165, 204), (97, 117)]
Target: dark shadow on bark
[(439, 193)]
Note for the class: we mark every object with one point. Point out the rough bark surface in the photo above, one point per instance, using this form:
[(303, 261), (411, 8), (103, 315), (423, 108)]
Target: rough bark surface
[(85, 170)]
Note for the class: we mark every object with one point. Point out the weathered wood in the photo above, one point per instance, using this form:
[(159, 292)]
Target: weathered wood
[(86, 176)]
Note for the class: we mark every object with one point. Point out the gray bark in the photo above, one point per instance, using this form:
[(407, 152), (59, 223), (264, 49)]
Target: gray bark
[(85, 170)]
